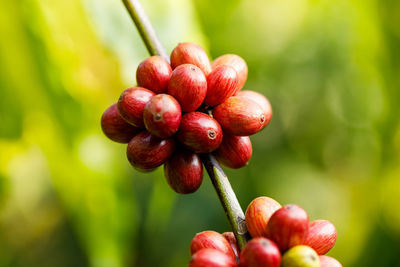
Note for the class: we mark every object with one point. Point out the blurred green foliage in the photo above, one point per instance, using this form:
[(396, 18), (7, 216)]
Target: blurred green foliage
[(68, 197)]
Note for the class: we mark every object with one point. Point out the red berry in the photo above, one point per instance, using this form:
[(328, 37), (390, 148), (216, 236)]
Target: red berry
[(221, 84), (235, 62), (190, 53), (162, 115), (211, 239), (261, 100), (116, 128), (234, 151), (146, 151), (189, 86), (321, 236), (258, 214), (288, 226), (239, 116), (131, 104), (199, 132), (153, 73), (232, 241), (260, 252), (327, 261), (184, 171), (208, 257)]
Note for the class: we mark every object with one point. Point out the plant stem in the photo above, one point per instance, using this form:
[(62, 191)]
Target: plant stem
[(218, 178)]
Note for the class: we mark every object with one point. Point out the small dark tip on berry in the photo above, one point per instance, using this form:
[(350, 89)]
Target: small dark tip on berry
[(211, 134), (157, 117)]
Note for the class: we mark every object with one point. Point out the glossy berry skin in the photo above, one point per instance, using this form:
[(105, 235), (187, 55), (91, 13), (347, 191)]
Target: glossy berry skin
[(232, 241), (208, 257), (221, 84), (184, 171), (146, 151), (321, 236), (234, 151), (235, 62), (300, 256), (188, 85), (288, 227), (115, 127), (199, 132), (162, 115), (153, 73), (261, 100), (258, 214), (260, 252), (211, 239), (239, 116), (131, 105), (327, 261), (190, 53)]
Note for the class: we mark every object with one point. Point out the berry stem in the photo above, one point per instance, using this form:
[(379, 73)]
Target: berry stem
[(218, 178)]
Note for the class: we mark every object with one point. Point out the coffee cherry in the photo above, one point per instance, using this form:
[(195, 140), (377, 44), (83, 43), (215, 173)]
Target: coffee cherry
[(162, 115), (239, 116), (189, 86), (232, 241), (300, 256), (288, 226), (190, 53), (321, 236), (211, 239), (260, 252), (258, 213), (261, 100), (131, 104), (116, 128), (146, 151), (184, 171), (208, 257), (327, 261), (199, 132), (235, 62), (221, 84), (153, 73), (234, 151)]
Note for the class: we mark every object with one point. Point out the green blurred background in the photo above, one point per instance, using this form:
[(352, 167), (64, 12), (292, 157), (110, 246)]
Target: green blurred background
[(68, 196)]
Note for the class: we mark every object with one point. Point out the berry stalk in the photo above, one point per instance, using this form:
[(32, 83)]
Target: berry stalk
[(218, 178)]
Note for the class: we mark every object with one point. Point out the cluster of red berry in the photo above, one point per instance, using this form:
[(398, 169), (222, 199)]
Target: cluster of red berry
[(184, 108), (282, 236)]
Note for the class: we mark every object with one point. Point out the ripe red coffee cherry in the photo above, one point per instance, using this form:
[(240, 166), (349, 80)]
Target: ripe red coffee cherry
[(258, 214), (221, 84), (232, 241), (260, 252), (189, 86), (261, 100), (239, 116), (208, 257), (153, 73), (199, 132), (211, 239), (162, 115), (327, 261), (184, 171), (321, 236), (235, 62), (146, 151), (131, 104), (288, 226), (234, 151), (190, 53), (116, 128)]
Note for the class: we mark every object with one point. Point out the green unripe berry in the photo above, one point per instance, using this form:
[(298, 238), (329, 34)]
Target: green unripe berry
[(300, 256)]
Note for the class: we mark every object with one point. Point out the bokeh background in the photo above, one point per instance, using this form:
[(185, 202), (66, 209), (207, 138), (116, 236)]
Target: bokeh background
[(68, 196)]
